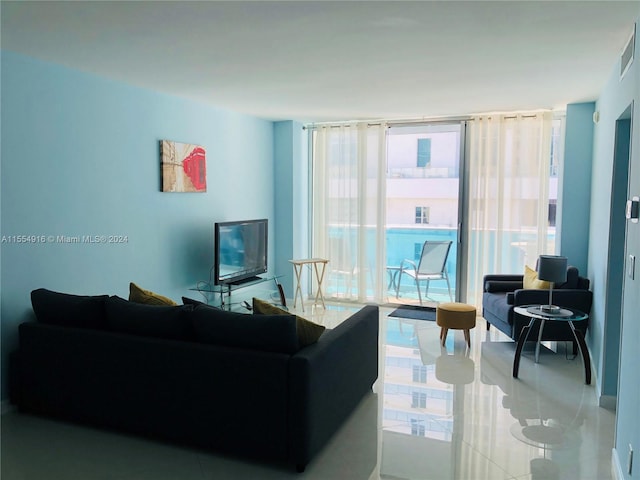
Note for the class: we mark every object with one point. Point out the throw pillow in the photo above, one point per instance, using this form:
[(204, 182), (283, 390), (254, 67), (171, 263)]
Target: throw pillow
[(276, 333), (140, 295), (307, 332), (196, 303), (530, 280), (572, 278), (68, 310), (160, 321)]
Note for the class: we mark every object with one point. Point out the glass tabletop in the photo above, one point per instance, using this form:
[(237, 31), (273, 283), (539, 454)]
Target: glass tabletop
[(563, 314)]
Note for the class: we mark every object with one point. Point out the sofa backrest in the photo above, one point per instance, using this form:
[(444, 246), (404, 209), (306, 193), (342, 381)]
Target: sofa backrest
[(200, 323), (574, 280)]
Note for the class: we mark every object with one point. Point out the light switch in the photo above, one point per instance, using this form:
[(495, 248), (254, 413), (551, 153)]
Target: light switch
[(632, 212)]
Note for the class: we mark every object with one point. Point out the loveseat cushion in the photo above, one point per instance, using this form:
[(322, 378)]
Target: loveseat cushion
[(273, 333), (64, 309), (495, 286), (572, 278), (306, 331), (160, 321)]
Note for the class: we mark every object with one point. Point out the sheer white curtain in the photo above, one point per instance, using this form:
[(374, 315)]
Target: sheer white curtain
[(349, 198), (509, 163)]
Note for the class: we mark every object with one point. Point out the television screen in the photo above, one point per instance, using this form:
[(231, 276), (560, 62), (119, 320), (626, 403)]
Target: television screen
[(240, 250)]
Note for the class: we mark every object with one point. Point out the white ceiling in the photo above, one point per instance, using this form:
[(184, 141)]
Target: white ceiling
[(324, 60)]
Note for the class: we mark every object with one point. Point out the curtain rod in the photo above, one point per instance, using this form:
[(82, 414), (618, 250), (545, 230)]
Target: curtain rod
[(389, 123), (402, 123)]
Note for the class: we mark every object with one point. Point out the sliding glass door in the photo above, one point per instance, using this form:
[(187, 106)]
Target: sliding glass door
[(423, 189)]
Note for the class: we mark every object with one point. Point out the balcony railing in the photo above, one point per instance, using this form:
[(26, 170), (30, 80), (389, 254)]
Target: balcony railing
[(406, 243), (423, 172)]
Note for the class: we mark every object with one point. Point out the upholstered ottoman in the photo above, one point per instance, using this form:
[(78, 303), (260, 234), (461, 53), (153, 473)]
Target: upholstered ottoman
[(456, 316)]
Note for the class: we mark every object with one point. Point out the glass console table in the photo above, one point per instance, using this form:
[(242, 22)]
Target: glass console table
[(537, 314), (225, 290)]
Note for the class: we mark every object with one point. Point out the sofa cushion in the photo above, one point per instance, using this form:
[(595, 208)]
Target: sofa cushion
[(273, 333), (191, 301), (530, 280), (161, 321), (306, 331), (572, 278), (140, 295), (195, 303), (68, 310)]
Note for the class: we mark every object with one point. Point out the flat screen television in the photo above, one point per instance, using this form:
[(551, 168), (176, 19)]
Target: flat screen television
[(240, 251)]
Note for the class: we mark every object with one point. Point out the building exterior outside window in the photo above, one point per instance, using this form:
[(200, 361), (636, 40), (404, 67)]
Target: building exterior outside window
[(424, 152), (422, 215), (420, 373), (419, 400), (417, 428)]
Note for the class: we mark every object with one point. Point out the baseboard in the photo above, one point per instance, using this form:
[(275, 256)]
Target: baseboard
[(6, 407), (609, 402), (616, 468)]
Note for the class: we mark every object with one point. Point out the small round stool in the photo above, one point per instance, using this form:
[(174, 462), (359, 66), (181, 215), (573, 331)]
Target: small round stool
[(457, 316)]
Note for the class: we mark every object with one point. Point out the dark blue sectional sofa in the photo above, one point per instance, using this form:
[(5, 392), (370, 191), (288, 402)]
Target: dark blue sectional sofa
[(238, 384)]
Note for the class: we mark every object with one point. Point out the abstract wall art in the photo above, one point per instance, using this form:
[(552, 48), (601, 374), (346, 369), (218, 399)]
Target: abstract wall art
[(184, 167)]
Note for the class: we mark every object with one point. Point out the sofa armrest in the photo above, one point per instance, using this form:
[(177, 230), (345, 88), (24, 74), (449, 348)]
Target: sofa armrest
[(328, 379)]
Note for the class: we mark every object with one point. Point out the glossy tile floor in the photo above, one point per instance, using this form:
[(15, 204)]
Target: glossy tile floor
[(435, 413)]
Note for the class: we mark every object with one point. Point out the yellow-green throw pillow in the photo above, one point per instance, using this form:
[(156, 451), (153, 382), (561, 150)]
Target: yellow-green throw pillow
[(308, 332), (140, 295), (530, 280)]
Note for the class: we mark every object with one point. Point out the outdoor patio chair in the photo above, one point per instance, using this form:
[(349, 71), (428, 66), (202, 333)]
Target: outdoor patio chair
[(431, 266)]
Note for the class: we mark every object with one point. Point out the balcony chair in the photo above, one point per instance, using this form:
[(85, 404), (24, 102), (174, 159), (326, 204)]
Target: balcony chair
[(431, 266)]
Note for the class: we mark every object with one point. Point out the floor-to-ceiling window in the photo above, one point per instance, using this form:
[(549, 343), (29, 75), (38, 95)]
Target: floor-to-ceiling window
[(512, 163), (381, 191), (348, 169)]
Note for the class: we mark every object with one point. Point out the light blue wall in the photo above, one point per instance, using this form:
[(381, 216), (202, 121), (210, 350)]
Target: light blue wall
[(573, 217), (80, 156), (291, 199), (616, 97), (284, 222)]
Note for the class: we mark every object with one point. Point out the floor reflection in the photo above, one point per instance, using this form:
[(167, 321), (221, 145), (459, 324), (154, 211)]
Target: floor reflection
[(454, 413)]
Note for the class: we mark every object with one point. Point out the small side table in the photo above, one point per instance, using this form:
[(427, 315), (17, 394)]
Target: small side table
[(536, 314), (393, 271), (297, 268)]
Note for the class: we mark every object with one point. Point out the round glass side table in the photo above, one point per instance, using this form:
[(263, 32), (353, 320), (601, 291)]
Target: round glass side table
[(536, 313)]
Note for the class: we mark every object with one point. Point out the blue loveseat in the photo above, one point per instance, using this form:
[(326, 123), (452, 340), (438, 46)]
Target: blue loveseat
[(503, 292)]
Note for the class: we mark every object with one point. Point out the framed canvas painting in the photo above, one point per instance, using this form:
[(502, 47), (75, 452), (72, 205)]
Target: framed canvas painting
[(184, 167)]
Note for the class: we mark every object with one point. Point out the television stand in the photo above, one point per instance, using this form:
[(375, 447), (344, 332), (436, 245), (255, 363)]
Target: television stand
[(254, 279), (226, 289)]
